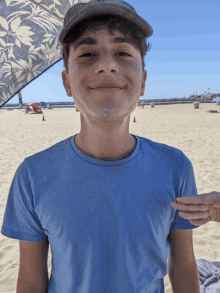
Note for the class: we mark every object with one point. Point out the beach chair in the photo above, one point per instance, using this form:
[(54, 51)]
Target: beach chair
[(212, 111), (196, 105)]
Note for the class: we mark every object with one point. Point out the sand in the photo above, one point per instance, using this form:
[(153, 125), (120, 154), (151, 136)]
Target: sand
[(194, 131)]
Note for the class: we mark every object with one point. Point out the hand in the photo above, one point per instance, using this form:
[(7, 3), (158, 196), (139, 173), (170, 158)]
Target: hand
[(199, 209)]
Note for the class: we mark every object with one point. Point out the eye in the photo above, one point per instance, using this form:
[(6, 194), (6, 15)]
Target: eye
[(94, 54), (85, 54), (124, 53)]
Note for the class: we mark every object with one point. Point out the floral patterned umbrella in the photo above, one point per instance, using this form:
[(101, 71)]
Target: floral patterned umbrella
[(29, 41)]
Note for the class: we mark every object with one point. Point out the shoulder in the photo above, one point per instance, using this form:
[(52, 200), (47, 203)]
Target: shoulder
[(48, 160), (52, 152), (163, 150)]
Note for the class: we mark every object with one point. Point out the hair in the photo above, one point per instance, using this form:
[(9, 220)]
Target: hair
[(110, 23)]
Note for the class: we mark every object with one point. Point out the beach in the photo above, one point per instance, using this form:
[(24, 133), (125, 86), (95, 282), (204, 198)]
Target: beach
[(194, 131)]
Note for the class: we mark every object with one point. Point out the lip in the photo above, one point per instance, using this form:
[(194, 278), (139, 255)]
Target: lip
[(108, 89)]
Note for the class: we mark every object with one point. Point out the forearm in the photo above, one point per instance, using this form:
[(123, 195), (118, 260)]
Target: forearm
[(218, 215), (23, 286), (184, 280)]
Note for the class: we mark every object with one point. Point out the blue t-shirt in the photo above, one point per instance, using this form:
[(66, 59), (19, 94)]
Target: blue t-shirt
[(107, 221)]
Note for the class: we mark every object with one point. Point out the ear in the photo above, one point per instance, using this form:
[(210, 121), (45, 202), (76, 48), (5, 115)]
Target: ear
[(144, 77), (66, 83)]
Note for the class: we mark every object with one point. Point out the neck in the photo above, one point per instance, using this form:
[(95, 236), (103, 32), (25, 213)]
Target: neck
[(106, 144)]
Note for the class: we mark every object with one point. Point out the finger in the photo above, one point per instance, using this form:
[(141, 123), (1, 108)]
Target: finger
[(190, 200), (217, 204), (205, 198), (199, 222), (213, 196), (190, 208), (194, 216), (210, 197)]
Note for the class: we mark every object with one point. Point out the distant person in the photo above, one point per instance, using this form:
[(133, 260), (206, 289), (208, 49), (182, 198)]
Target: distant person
[(102, 197)]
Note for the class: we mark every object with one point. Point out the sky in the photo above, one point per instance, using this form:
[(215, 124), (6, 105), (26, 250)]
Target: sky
[(184, 57)]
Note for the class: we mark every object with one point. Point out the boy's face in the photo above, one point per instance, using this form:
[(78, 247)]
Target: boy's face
[(104, 62)]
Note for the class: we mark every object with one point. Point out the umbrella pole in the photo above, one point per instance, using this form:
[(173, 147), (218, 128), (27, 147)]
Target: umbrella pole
[(20, 100)]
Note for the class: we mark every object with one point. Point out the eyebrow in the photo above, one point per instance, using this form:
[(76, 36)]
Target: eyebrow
[(91, 41)]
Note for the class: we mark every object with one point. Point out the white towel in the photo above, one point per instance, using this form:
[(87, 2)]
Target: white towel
[(209, 276)]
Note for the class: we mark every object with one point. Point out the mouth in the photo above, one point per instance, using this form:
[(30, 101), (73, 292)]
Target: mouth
[(108, 89)]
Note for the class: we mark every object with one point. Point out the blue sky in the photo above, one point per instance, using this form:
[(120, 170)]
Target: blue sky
[(184, 58)]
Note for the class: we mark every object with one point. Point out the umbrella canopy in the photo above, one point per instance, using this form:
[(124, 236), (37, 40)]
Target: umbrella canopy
[(216, 100), (29, 41), (32, 107)]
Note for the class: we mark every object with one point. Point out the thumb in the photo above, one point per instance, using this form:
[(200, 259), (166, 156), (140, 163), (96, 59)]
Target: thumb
[(215, 205), (212, 197)]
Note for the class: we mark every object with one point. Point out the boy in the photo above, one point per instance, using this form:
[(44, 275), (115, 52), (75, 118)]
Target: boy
[(109, 230)]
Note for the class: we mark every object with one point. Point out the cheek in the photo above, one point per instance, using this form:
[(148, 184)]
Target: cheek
[(78, 84), (74, 78), (139, 74), (138, 68), (135, 74)]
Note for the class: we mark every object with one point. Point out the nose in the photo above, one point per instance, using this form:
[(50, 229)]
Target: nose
[(106, 63)]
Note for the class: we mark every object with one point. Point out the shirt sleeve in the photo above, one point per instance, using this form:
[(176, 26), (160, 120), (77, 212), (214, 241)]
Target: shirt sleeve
[(187, 188), (20, 220)]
